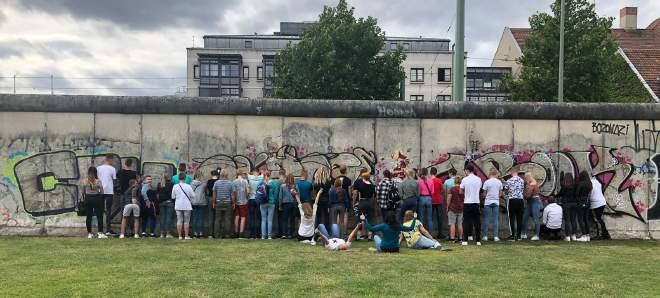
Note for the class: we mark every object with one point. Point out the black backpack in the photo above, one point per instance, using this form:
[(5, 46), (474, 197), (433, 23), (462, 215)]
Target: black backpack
[(393, 198)]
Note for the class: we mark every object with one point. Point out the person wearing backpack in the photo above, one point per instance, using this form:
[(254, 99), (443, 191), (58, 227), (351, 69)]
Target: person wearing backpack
[(262, 196), (339, 203), (255, 179), (199, 205), (166, 205), (387, 194), (183, 194)]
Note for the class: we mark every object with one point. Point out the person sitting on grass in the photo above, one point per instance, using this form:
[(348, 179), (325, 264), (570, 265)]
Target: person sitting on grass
[(419, 237), (336, 243), (307, 220), (552, 220), (390, 232), (131, 208)]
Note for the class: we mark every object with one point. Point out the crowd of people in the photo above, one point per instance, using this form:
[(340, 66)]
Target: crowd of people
[(406, 207)]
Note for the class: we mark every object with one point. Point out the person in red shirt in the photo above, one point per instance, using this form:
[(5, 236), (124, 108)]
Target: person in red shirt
[(437, 201), (455, 210)]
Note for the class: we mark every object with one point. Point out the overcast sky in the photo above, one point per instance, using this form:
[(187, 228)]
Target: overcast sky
[(111, 44)]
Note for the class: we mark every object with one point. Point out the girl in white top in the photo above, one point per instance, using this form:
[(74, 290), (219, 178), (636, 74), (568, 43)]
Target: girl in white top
[(307, 220), (182, 194)]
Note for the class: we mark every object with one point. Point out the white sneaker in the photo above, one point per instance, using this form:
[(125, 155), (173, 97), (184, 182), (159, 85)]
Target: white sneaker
[(305, 241), (573, 238), (478, 243), (535, 238), (372, 249), (270, 238), (567, 239), (180, 238), (121, 236), (312, 242), (169, 236), (187, 238), (588, 238), (90, 236), (102, 236), (470, 238), (581, 239), (484, 238), (136, 236), (496, 239), (464, 243), (523, 236)]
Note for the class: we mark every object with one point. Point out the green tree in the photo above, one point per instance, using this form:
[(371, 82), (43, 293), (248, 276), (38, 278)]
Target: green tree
[(589, 61), (339, 57)]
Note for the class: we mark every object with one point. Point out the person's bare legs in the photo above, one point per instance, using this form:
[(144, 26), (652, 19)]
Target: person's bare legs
[(136, 224), (236, 224), (460, 232), (123, 226), (178, 230), (242, 220), (452, 231), (187, 230)]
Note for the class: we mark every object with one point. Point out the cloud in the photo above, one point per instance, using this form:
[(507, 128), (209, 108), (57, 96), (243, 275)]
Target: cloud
[(138, 15)]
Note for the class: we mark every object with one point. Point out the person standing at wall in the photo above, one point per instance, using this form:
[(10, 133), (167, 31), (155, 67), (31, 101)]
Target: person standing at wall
[(470, 187), (438, 200), (409, 193), (597, 205), (321, 185), (240, 189), (183, 195), (383, 194), (254, 209), (493, 189), (108, 175), (583, 194), (92, 190), (183, 169), (533, 208), (165, 205), (125, 175), (455, 200), (552, 220), (364, 192), (132, 208), (346, 183), (287, 205), (222, 204), (266, 206), (449, 182), (304, 187), (569, 206), (339, 204), (148, 207), (426, 191), (209, 194), (274, 199), (199, 206), (515, 188)]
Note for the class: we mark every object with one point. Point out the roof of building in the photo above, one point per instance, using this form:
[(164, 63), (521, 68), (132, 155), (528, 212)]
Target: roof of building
[(641, 46)]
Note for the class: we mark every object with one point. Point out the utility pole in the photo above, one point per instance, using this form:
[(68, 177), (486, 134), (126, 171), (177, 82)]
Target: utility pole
[(14, 84), (459, 53), (560, 92), (51, 85)]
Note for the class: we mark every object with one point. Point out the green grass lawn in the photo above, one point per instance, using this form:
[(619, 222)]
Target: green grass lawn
[(61, 267)]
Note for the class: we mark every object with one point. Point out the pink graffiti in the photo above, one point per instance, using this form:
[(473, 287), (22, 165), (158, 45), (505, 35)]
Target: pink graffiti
[(348, 149), (640, 207), (524, 156), (301, 152), (251, 152), (500, 148), (7, 218), (623, 159), (439, 159)]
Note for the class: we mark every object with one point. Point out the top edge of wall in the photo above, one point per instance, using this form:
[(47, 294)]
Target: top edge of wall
[(325, 108)]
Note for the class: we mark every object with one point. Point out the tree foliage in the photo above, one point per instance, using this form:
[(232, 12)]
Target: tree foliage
[(339, 57), (589, 58)]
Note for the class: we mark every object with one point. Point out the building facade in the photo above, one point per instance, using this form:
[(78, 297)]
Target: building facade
[(482, 83), (242, 65)]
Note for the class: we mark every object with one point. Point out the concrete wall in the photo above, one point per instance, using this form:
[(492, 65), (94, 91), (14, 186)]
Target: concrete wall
[(34, 143)]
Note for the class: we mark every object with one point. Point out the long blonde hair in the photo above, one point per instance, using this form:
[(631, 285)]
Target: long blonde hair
[(530, 179)]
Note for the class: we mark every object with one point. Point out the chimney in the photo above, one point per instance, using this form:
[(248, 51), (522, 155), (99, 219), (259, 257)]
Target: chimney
[(628, 18)]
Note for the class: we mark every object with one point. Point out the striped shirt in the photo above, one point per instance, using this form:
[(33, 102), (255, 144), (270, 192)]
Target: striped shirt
[(222, 189)]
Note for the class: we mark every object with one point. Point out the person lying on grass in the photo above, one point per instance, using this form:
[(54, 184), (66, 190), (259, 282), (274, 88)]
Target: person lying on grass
[(336, 243), (419, 237), (307, 220), (390, 231)]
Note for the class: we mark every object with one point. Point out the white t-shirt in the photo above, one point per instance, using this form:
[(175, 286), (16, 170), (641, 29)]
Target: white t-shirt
[(552, 216), (181, 199), (107, 174), (306, 224), (471, 186), (597, 198), (333, 243), (493, 187)]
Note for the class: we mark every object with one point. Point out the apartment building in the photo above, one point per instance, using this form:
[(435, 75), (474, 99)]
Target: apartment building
[(242, 65)]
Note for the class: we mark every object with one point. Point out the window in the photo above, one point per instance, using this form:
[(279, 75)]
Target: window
[(260, 73), (196, 72), (406, 46), (496, 83), (246, 73), (470, 83), (393, 46), (417, 75), (443, 98), (488, 84), (479, 83), (416, 97), (230, 84), (444, 74), (268, 73), (248, 44)]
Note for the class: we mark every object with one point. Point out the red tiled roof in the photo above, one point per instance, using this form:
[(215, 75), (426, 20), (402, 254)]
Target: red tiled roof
[(641, 46)]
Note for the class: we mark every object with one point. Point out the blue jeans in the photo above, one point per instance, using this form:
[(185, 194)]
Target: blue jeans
[(254, 218), (266, 220), (286, 218), (423, 243), (166, 215), (148, 219), (533, 210), (324, 231), (198, 216), (377, 242), (491, 215), (426, 212)]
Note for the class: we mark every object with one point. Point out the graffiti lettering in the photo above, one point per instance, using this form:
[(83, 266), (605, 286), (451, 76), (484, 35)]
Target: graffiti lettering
[(610, 128)]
